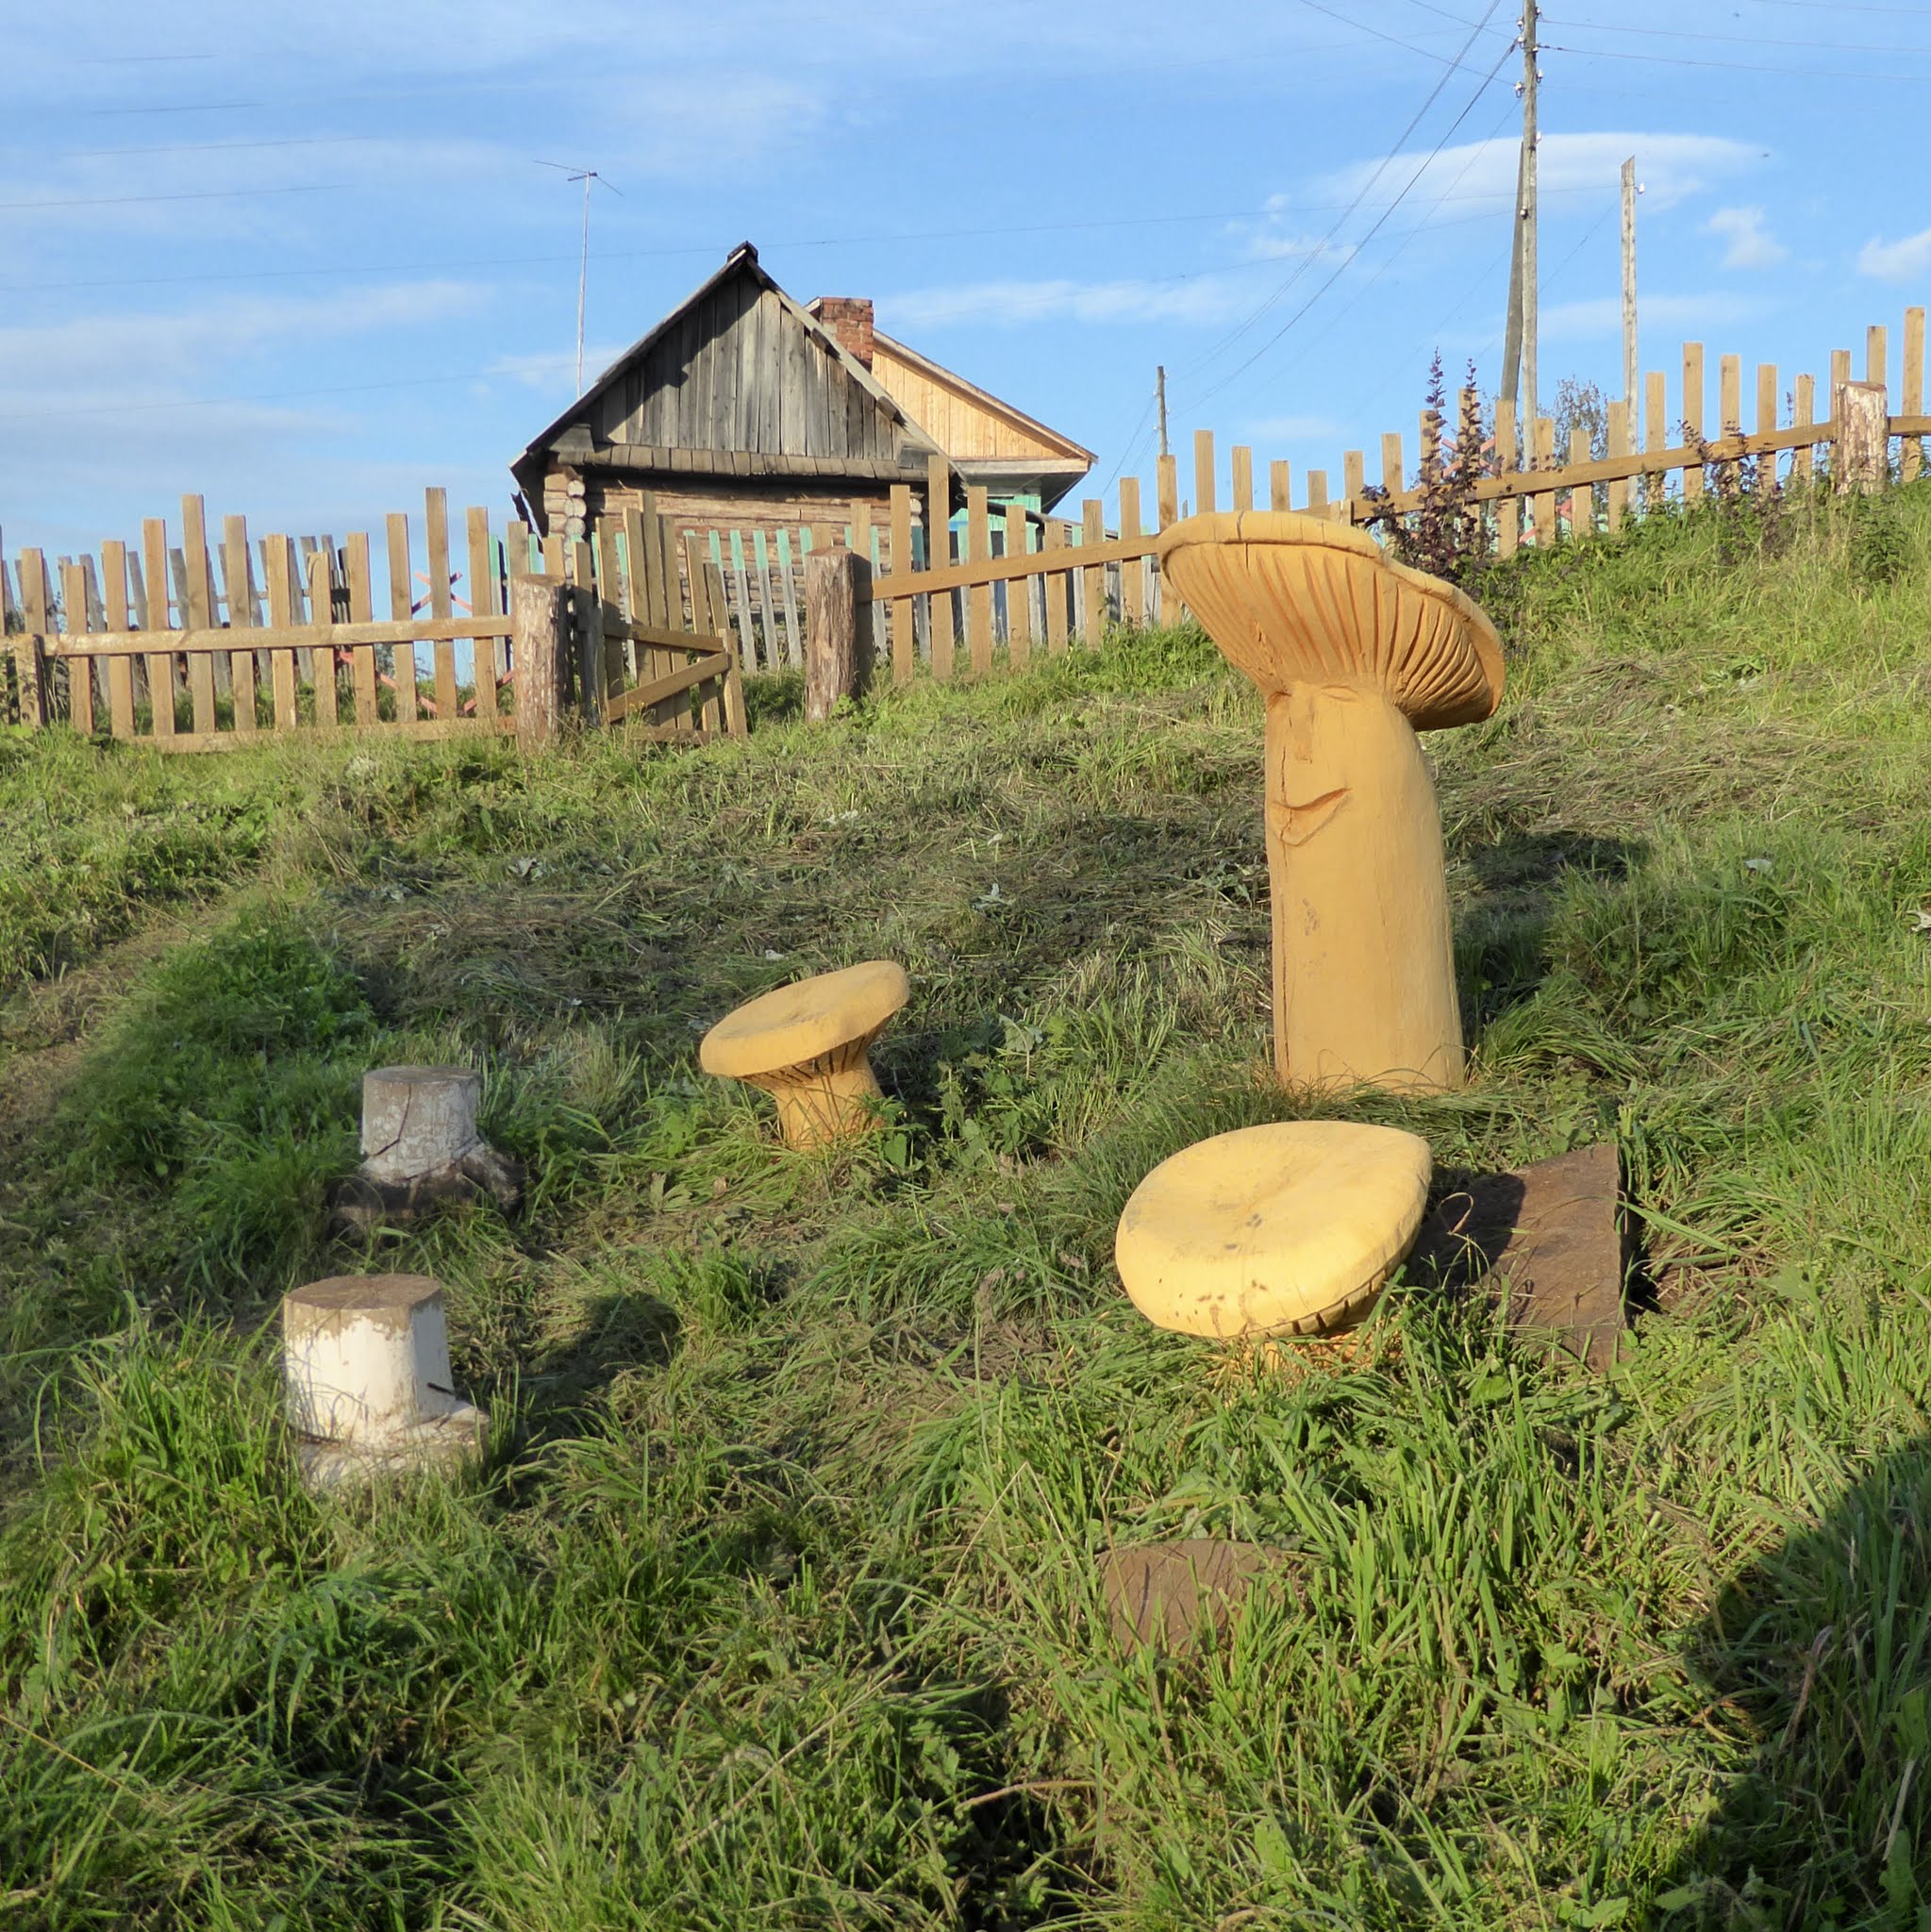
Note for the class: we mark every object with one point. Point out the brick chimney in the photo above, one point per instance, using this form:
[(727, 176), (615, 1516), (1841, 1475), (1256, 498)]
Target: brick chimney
[(848, 318)]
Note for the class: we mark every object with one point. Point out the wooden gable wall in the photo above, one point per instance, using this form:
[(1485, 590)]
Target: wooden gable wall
[(960, 423), (739, 371)]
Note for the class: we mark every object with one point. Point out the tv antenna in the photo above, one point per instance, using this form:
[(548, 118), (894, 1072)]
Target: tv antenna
[(586, 175)]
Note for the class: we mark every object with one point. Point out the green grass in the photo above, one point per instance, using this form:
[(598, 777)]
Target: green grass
[(776, 1603)]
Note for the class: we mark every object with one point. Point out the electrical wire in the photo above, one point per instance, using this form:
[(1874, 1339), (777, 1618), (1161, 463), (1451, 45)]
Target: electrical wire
[(1280, 295), (199, 194), (1427, 161)]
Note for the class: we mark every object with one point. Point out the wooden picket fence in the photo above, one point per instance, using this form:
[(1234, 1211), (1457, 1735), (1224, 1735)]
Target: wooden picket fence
[(154, 644), (1024, 587)]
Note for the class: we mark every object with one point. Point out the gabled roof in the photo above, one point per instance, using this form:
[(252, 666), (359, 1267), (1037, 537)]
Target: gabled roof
[(1062, 446), (528, 466)]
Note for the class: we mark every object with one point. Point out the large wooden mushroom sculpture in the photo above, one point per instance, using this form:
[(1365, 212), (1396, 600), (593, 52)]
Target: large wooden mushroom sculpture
[(1355, 655), (808, 1046)]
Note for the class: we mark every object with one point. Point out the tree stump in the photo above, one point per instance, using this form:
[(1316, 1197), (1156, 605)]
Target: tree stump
[(421, 1150), (369, 1388)]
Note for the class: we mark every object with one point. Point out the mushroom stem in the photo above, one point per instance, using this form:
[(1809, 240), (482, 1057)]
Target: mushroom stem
[(1363, 954), (826, 1099)]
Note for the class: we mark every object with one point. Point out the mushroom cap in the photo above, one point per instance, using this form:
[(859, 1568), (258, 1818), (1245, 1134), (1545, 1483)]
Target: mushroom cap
[(792, 1025), (1294, 599), (1277, 1230)]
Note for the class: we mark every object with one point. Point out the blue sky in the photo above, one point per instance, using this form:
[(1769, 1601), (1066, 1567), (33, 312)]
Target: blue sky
[(306, 261)]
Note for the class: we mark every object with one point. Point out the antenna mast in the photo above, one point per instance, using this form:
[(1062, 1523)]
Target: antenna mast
[(586, 175)]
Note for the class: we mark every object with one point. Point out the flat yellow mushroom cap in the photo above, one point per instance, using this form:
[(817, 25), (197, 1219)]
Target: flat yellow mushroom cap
[(792, 1026), (1277, 1230), (1293, 599)]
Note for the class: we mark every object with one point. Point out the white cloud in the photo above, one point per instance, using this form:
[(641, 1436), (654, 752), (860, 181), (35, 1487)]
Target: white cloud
[(1571, 166), (1602, 315), (1752, 245), (1209, 297), (92, 361), (554, 371), (1904, 260)]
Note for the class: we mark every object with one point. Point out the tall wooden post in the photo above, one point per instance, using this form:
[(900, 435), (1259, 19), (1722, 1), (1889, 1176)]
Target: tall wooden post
[(1629, 193), (1861, 459), (542, 643), (834, 596)]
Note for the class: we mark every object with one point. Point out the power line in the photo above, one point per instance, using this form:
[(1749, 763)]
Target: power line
[(1427, 161), (1672, 33), (198, 194), (1738, 66), (1280, 295), (419, 266)]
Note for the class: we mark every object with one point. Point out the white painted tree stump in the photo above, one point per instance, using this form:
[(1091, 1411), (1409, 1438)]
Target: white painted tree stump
[(418, 1118), (366, 1364), (421, 1149)]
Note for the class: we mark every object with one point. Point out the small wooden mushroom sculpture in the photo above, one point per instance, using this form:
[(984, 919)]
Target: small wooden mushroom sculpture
[(1279, 1230), (1354, 655), (809, 1045)]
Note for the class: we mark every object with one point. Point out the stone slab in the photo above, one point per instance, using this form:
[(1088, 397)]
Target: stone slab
[(1552, 1234), (1183, 1594)]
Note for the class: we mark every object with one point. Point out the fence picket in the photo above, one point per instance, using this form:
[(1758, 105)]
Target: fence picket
[(1132, 570), (402, 605), (1280, 491), (162, 679), (282, 665), (436, 539), (1803, 414), (198, 612), (1692, 417), (482, 589), (1093, 531), (1204, 498), (1911, 451), (1241, 458), (1617, 503), (81, 675), (905, 643), (1766, 422), (937, 554), (1508, 509), (979, 598), (114, 617), (1052, 538), (240, 590)]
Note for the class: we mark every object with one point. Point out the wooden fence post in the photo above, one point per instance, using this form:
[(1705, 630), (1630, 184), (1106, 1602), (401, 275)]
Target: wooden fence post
[(30, 666), (541, 641), (1860, 415), (833, 598)]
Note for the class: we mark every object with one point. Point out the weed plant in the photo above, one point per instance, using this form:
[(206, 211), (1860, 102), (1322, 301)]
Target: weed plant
[(775, 1600)]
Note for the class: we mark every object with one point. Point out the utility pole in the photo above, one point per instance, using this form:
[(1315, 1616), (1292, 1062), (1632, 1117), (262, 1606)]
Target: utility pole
[(1630, 191), (1531, 406), (1160, 390), (1512, 334)]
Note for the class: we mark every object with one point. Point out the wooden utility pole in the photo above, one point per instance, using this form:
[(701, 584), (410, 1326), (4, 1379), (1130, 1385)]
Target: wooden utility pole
[(1629, 376), (1531, 406), (1160, 390), (1511, 391)]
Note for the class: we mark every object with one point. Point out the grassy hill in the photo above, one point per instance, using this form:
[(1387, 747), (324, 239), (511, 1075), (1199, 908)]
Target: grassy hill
[(775, 1604)]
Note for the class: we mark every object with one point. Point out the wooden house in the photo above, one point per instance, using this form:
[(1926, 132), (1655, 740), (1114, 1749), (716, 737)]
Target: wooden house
[(744, 409)]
